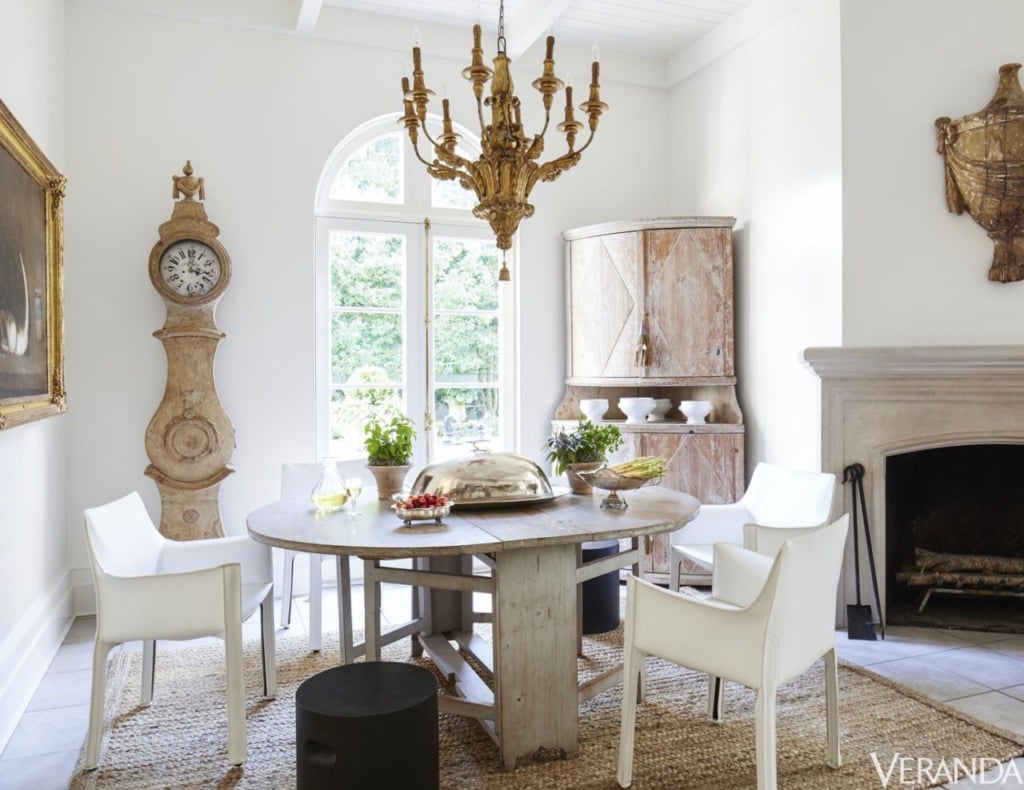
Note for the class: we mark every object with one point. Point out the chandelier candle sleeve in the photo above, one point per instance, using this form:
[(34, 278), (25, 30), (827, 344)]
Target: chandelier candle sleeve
[(507, 169)]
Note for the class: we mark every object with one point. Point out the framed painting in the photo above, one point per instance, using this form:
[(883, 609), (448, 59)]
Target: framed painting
[(31, 279)]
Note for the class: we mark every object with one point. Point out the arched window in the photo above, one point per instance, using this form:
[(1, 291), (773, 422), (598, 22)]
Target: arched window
[(410, 315)]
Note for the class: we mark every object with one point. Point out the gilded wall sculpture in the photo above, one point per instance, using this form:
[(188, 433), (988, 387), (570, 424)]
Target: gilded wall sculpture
[(984, 154)]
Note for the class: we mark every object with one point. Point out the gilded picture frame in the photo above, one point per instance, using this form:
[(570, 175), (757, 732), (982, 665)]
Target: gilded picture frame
[(31, 279)]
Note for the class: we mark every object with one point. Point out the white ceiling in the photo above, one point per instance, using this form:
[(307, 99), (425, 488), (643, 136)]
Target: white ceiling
[(654, 27)]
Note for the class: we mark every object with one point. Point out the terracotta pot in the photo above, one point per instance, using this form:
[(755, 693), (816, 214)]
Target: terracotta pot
[(576, 483), (390, 479)]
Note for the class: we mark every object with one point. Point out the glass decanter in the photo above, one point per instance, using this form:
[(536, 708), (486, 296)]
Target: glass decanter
[(329, 494)]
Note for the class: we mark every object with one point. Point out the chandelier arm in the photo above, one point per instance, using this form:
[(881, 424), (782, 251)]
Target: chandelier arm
[(426, 133), (552, 169), (585, 145), (547, 122), (430, 165), (454, 162)]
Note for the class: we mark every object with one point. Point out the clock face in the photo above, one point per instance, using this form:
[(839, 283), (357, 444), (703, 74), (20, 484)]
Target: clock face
[(190, 268)]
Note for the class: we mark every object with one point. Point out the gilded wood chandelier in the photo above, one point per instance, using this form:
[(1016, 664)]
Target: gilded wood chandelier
[(507, 168)]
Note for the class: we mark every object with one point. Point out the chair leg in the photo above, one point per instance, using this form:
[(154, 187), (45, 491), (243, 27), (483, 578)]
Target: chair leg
[(148, 670), (287, 583), (316, 601), (233, 663), (632, 663), (673, 572), (345, 609), (835, 759), (269, 644), (764, 722), (716, 698), (100, 651)]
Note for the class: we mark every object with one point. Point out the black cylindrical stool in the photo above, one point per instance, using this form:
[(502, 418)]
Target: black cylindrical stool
[(371, 725), (600, 594)]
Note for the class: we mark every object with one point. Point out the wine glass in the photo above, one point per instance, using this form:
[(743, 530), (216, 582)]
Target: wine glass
[(354, 487)]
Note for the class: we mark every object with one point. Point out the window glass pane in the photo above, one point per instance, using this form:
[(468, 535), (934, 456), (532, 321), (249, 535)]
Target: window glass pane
[(366, 269), (373, 173), (463, 416), (352, 408), (451, 194), (366, 347), (465, 349), (465, 274)]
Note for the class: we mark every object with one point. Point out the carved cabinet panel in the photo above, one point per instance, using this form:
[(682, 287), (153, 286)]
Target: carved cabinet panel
[(605, 275)]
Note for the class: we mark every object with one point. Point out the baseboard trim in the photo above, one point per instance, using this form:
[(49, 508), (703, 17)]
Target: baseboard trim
[(26, 653)]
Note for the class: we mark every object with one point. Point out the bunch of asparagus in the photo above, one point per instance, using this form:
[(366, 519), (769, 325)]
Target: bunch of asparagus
[(644, 468)]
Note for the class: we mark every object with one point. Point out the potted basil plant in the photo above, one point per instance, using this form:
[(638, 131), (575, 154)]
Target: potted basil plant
[(388, 453), (583, 448)]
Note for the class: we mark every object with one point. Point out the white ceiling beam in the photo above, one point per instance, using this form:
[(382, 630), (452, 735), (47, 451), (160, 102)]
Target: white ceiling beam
[(309, 13), (533, 19)]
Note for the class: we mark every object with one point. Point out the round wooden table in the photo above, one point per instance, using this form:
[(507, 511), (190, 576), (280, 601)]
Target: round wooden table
[(534, 552)]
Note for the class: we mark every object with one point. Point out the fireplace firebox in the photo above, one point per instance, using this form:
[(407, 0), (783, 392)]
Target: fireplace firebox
[(965, 503)]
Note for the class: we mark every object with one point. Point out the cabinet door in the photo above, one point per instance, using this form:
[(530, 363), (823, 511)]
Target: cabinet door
[(689, 301), (708, 466), (604, 304)]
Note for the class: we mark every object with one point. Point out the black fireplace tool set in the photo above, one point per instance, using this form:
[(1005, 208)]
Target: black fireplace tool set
[(859, 621)]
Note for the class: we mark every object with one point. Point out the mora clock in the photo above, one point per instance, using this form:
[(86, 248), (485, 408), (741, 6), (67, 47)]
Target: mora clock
[(190, 438)]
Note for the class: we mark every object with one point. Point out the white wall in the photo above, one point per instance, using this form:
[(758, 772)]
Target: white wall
[(915, 274), (258, 113), (756, 135), (34, 596)]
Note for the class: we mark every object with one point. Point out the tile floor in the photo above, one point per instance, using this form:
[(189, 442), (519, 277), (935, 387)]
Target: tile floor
[(979, 673)]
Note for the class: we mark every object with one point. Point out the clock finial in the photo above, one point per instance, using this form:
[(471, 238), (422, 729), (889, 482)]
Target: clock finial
[(186, 186)]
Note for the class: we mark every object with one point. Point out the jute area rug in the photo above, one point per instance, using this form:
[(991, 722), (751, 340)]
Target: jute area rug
[(181, 740)]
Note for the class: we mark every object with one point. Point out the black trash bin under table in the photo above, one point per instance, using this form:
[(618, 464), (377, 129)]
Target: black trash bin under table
[(601, 594), (370, 725)]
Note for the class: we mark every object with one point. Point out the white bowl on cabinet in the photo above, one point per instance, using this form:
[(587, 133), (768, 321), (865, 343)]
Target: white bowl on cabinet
[(594, 408), (636, 409), (661, 407), (696, 411)]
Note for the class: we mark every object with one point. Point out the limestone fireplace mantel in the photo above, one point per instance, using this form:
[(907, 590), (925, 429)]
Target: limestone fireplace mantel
[(878, 402)]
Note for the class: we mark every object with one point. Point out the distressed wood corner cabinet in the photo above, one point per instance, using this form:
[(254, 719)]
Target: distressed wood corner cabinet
[(650, 313)]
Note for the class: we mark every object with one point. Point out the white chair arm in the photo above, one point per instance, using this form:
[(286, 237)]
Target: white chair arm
[(768, 540), (165, 605), (739, 574), (714, 523), (734, 637), (187, 555)]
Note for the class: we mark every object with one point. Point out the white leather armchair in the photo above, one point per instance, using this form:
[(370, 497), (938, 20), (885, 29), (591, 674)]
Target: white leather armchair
[(149, 588), (776, 497), (767, 621)]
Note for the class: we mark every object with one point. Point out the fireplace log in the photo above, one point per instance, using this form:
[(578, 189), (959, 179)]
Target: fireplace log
[(959, 579), (926, 560)]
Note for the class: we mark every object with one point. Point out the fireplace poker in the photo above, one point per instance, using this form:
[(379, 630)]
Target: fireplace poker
[(859, 622)]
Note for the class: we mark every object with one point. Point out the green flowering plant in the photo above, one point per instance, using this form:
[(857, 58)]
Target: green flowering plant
[(587, 443)]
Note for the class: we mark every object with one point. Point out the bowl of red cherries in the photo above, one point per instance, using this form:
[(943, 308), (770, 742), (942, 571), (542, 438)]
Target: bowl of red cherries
[(422, 507)]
